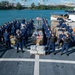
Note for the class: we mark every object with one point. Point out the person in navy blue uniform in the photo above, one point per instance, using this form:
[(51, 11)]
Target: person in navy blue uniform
[(60, 23), (6, 27), (46, 21), (48, 35), (70, 30), (46, 30), (28, 30), (60, 41), (23, 21), (7, 39), (66, 43), (13, 30), (3, 29), (53, 39), (23, 38), (63, 25), (18, 25), (0, 35), (67, 28), (31, 23), (14, 22), (44, 26), (19, 42), (2, 32), (23, 29), (10, 24)]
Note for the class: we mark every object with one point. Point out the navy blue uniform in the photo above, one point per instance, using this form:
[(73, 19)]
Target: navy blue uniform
[(23, 30), (31, 23), (60, 23), (23, 21), (0, 35), (60, 39), (47, 29), (2, 32), (48, 35), (7, 39), (19, 42), (6, 27), (17, 25), (14, 22), (63, 25), (70, 30), (53, 39), (13, 30), (67, 28), (23, 39), (9, 27), (66, 44), (44, 26)]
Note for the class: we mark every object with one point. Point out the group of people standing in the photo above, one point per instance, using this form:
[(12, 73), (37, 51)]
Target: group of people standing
[(64, 40), (21, 30)]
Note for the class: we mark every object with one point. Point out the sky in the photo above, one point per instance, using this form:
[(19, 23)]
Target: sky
[(46, 2)]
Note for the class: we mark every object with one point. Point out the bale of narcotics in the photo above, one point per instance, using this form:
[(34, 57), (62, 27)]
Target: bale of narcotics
[(12, 40)]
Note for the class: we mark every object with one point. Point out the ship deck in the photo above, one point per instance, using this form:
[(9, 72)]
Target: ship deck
[(12, 63)]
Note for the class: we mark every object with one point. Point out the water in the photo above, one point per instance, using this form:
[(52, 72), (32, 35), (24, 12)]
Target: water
[(9, 15)]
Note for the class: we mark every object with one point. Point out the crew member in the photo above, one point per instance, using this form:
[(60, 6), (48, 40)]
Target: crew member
[(7, 39), (19, 42), (66, 43), (53, 39), (60, 41), (48, 35)]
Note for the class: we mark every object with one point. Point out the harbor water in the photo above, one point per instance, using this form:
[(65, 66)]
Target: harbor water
[(9, 15)]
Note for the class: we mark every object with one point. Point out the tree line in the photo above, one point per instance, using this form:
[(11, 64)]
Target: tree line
[(51, 7), (7, 5)]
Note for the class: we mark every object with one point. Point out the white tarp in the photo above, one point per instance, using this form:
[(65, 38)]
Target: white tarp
[(72, 17)]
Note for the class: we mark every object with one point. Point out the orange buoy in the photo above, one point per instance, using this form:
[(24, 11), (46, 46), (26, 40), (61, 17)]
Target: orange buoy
[(73, 29)]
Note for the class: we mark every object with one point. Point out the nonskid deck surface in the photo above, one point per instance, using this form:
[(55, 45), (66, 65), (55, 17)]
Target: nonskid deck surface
[(24, 63)]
